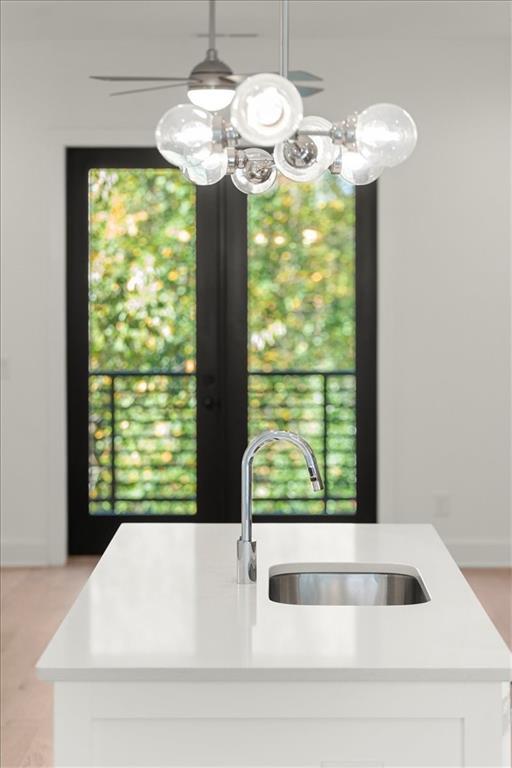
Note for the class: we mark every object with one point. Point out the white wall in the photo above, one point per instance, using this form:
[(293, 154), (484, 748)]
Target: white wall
[(444, 290)]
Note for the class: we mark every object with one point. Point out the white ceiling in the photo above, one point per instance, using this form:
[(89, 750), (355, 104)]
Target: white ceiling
[(146, 19)]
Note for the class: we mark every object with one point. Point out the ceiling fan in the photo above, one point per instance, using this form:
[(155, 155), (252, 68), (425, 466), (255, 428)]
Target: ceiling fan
[(211, 83)]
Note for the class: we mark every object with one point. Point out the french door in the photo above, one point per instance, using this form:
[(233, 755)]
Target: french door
[(197, 317)]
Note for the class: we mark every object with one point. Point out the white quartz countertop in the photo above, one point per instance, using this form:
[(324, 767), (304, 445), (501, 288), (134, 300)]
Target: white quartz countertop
[(163, 604)]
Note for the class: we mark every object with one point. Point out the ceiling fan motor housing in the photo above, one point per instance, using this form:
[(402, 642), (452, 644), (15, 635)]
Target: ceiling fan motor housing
[(211, 73)]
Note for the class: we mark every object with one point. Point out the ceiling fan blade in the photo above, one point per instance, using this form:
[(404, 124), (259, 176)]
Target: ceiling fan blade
[(144, 90), (294, 76), (232, 78), (307, 90), (301, 75), (122, 79)]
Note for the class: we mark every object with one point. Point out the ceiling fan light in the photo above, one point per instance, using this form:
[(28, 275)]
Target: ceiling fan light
[(266, 109), (213, 99)]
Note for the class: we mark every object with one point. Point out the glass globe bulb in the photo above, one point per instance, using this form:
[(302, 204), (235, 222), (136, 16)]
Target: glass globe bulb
[(210, 171), (356, 169), (184, 135), (386, 134), (258, 175), (306, 157), (212, 99), (266, 109)]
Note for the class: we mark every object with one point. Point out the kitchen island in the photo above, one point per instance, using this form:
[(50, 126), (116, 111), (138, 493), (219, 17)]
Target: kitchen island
[(165, 660)]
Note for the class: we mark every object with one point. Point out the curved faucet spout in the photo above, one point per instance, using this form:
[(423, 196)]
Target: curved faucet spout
[(246, 548)]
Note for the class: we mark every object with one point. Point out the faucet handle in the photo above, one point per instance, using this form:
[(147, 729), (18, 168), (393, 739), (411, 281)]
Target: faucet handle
[(246, 561)]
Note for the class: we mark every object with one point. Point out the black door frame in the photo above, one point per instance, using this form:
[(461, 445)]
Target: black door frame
[(221, 276)]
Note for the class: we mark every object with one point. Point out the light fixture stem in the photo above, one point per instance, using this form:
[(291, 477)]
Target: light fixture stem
[(285, 39), (313, 132), (211, 28)]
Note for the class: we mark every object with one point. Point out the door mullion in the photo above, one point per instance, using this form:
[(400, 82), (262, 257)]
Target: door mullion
[(210, 427), (233, 214)]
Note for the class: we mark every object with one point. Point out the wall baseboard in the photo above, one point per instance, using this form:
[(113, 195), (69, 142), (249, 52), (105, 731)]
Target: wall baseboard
[(24, 552), (480, 553)]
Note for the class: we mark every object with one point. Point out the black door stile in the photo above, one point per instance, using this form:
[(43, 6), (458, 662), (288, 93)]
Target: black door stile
[(210, 491), (221, 348), (77, 353), (234, 271), (366, 351)]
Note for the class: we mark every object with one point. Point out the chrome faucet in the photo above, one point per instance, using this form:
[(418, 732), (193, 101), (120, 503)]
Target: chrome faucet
[(246, 547)]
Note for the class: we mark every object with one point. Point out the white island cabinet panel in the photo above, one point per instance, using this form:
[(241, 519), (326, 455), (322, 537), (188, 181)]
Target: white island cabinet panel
[(284, 724), (165, 661)]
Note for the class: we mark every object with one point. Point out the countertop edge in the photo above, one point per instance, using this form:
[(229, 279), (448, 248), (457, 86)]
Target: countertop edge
[(230, 675)]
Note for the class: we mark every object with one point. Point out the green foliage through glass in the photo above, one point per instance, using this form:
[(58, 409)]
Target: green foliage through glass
[(302, 320), (301, 324), (142, 265)]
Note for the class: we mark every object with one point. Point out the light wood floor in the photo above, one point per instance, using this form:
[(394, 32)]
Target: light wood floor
[(34, 602)]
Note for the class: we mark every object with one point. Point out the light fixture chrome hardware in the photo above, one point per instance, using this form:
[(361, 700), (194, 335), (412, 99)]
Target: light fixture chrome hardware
[(313, 132), (345, 132), (301, 151), (257, 174), (335, 166), (211, 27), (258, 170), (219, 141), (246, 547), (285, 39), (236, 159), (230, 136)]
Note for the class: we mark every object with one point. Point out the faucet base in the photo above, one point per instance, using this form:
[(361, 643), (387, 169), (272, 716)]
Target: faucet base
[(246, 561)]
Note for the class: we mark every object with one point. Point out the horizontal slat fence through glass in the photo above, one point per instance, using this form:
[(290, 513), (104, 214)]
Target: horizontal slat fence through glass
[(143, 441)]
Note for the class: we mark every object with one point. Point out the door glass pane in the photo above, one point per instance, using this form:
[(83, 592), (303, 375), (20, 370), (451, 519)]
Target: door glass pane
[(302, 342), (142, 435)]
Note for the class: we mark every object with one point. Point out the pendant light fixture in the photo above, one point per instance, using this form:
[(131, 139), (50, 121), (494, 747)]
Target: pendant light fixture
[(266, 110)]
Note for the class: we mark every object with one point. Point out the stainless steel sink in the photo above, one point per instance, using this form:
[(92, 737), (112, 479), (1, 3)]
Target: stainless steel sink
[(346, 588)]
